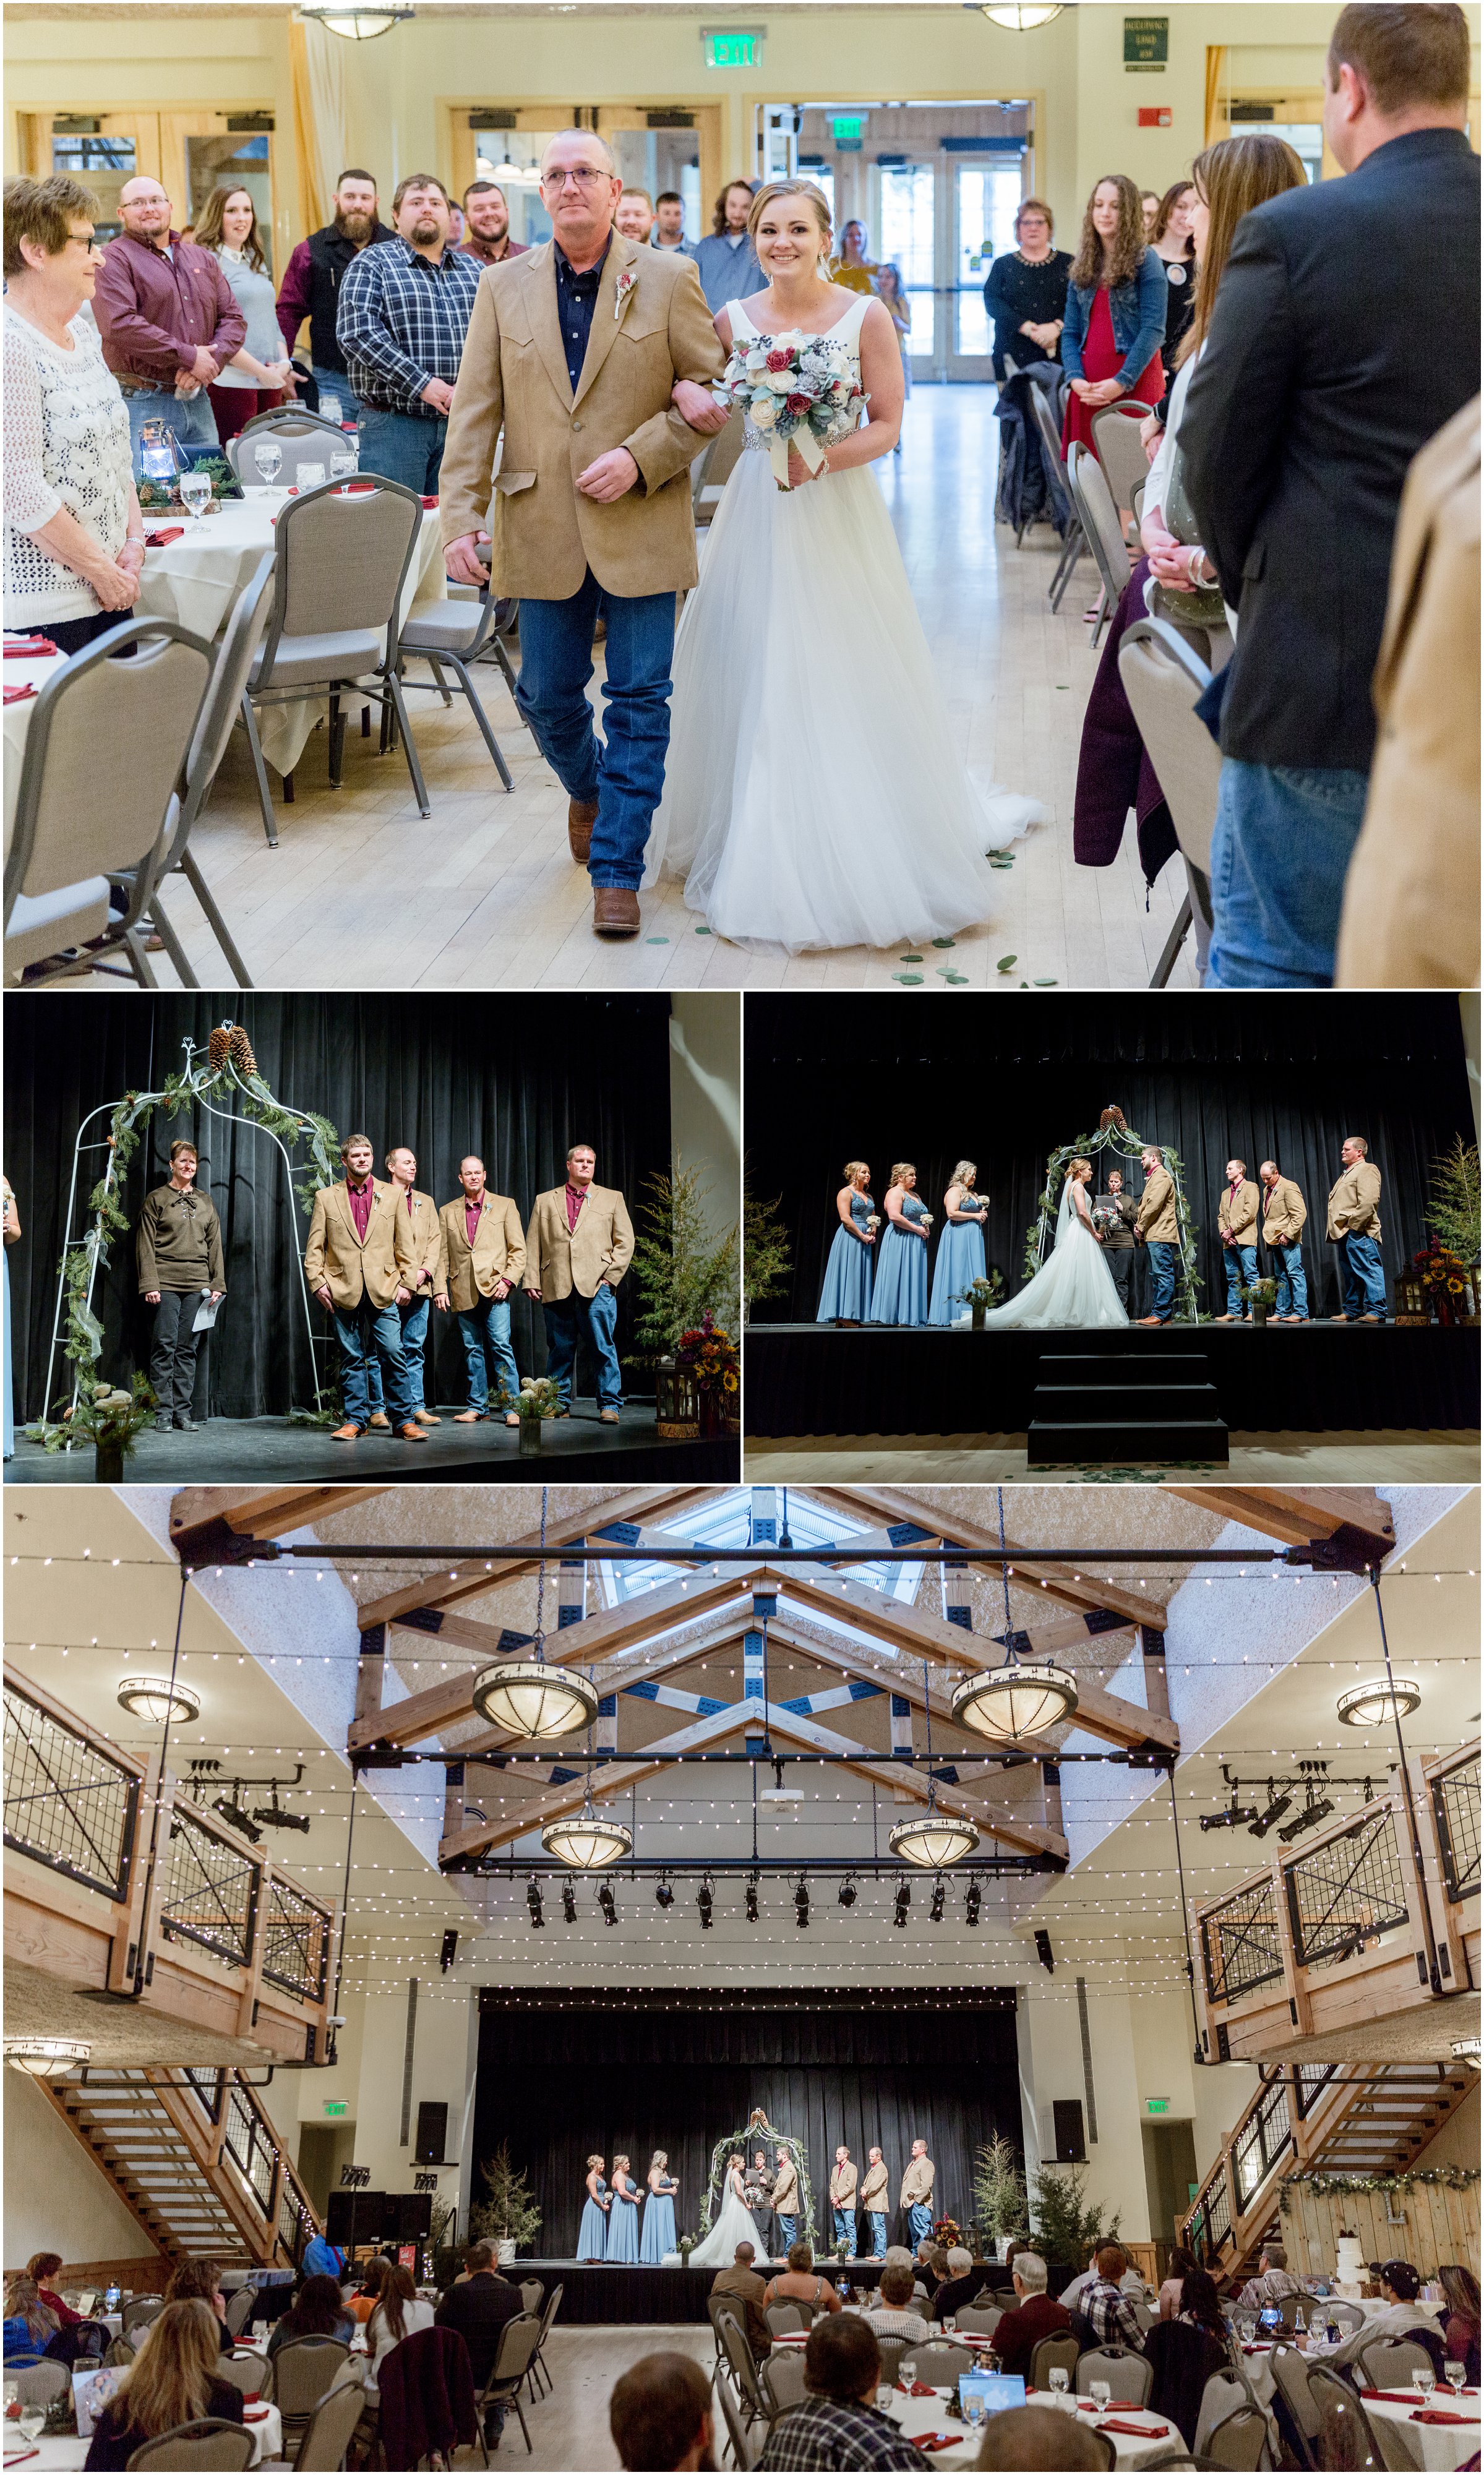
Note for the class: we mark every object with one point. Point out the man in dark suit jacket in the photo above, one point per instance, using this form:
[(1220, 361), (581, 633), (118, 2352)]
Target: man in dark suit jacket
[(1331, 360), (477, 2305)]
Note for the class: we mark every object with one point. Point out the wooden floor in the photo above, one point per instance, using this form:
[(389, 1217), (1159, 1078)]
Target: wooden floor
[(570, 2428), (361, 892), (1435, 1455)]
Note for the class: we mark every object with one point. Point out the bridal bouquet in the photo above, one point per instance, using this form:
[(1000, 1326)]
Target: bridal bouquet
[(796, 389), (1104, 1217)]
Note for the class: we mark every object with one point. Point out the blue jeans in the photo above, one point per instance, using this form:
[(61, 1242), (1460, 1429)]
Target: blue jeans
[(1241, 1271), (1364, 1281), (362, 1332), (403, 447), (189, 416), (626, 774), (1162, 1257), (920, 2217), (789, 2228), (877, 2222), (1293, 1292), (487, 1351), (572, 1318), (845, 2226), (337, 382), (413, 1318), (1279, 850)]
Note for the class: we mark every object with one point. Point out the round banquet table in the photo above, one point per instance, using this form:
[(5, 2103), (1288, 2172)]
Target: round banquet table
[(1444, 2445), (70, 2450), (1154, 2435)]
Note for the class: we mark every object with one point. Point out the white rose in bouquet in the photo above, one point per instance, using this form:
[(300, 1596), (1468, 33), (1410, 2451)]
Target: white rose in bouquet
[(764, 412)]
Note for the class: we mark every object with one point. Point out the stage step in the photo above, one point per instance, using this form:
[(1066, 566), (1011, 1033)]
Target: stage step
[(1125, 1406)]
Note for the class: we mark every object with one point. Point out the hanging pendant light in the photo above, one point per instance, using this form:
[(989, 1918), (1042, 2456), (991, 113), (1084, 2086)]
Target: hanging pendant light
[(589, 1841), (1019, 16), (47, 2058), (357, 25), (933, 1839), (527, 1698), (1381, 1698), (155, 1698), (1020, 1698)]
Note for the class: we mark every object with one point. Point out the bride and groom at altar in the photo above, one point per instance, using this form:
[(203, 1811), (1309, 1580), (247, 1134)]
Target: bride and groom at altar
[(810, 795), (1075, 1288)]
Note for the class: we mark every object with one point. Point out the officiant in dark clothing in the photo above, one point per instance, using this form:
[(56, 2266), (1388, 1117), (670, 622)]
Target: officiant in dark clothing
[(178, 1249), (758, 2193), (1120, 1251)]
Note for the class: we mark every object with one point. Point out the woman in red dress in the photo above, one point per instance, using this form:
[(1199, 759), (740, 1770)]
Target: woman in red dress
[(1116, 311)]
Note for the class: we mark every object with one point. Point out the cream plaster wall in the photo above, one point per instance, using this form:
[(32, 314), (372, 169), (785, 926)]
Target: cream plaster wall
[(54, 2200)]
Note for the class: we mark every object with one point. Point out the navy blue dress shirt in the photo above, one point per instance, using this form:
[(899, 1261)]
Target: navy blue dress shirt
[(577, 298)]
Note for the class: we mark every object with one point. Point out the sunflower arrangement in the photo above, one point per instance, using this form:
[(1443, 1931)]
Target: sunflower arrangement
[(1447, 1282), (710, 1354)]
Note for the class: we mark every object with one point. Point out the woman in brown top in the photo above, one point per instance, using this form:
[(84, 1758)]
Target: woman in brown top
[(179, 1249)]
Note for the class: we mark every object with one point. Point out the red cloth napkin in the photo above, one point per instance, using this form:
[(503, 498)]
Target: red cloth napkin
[(167, 533), (1392, 2397), (1135, 2431), (19, 695), (432, 501), (919, 2388), (931, 2441), (29, 649), (1439, 2415)]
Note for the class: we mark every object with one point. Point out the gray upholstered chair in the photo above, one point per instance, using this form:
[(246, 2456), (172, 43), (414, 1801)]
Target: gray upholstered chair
[(1163, 679), (785, 2317), (782, 2380), (1120, 450), (451, 635), (301, 438), (1074, 540), (1130, 2376), (1056, 2353), (514, 2356), (1393, 2363), (41, 2384), (1094, 502), (328, 2431), (942, 2363), (209, 2442)]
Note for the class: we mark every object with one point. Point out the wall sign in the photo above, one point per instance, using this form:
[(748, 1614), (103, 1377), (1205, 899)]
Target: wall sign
[(1146, 42), (732, 47), (1157, 2105), (338, 2105), (848, 136)]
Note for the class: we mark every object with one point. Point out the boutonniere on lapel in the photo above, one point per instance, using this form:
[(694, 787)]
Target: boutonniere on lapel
[(621, 291)]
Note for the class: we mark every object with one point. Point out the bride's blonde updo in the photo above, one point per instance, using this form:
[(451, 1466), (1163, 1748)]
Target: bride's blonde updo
[(1078, 1169), (820, 203)]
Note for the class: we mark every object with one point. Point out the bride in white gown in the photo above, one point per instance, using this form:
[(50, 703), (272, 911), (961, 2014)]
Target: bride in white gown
[(735, 2226), (813, 797), (1074, 1290)]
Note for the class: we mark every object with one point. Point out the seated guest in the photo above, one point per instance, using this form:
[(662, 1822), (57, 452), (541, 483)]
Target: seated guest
[(798, 2283), (1036, 2314), (743, 2282), (29, 2324), (959, 2286), (1108, 2308), (894, 2316), (364, 2303), (199, 2281), (320, 2311), (1401, 2316), (660, 2413), (477, 2305), (1460, 2327), (173, 2380), (1037, 2437), (1182, 2263), (1272, 2281), (1186, 2352), (839, 2423), (931, 2265), (43, 2265), (398, 2312), (1080, 2286)]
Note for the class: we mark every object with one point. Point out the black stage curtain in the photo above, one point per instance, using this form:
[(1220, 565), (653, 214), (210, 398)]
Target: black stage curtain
[(516, 1079), (1218, 1077), (562, 2086)]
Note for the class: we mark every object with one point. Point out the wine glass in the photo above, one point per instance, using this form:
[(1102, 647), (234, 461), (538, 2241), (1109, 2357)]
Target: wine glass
[(12, 2398), (1101, 2396), (195, 488), (1425, 2380), (268, 455), (908, 2371), (343, 462), (32, 2417), (1455, 2375), (311, 477), (330, 408), (1060, 2386)]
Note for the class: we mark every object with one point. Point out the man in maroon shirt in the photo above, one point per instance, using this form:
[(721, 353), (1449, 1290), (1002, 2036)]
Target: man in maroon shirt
[(487, 216), (168, 318), (1036, 2314)]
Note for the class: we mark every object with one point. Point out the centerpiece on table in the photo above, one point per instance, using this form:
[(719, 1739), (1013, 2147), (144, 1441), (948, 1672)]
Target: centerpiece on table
[(1448, 1286)]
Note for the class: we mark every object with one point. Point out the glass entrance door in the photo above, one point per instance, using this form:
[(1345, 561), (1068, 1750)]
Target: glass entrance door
[(908, 227), (985, 195)]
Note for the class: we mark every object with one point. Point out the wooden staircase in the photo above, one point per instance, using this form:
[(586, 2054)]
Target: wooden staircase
[(195, 2158)]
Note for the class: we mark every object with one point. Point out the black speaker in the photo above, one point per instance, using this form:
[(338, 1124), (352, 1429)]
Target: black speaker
[(1066, 2115), (357, 2218), (432, 2132), (414, 2216)]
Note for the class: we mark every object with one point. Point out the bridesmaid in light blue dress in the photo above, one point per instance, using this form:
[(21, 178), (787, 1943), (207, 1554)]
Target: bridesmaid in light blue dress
[(623, 2215), (961, 1252), (659, 2227), (593, 2233), (846, 1295), (901, 1292)]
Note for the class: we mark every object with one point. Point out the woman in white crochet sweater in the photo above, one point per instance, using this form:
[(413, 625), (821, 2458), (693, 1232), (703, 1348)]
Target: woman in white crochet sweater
[(74, 537)]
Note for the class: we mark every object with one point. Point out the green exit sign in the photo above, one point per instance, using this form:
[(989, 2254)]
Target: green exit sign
[(1146, 42), (1157, 2105), (733, 47), (847, 133), (338, 2105)]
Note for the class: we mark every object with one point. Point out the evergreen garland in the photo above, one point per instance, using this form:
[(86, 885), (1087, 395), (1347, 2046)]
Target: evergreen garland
[(1118, 1139), (757, 2135), (1445, 2179)]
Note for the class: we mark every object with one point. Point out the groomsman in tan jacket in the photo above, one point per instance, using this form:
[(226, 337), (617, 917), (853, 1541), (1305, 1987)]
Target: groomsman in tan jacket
[(1236, 1217), (578, 1247), (418, 1256), (1284, 1213), (1356, 1224), (916, 2193), (1157, 1228), (483, 1259), (351, 1265), (842, 2197)]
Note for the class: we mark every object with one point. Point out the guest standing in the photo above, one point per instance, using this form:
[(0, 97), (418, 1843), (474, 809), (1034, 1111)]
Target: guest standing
[(593, 2233), (635, 216), (669, 222), (404, 308), (725, 261), (658, 2233), (483, 1256), (892, 293), (901, 1292), (167, 317), (1284, 1213), (846, 1295), (1310, 401), (74, 538), (579, 1245), (312, 284), (853, 268), (351, 1267), (1172, 243), (960, 1249), (178, 1249), (1025, 293), (623, 2214), (486, 225), (1236, 1220), (873, 2200), (259, 373), (1115, 305), (1156, 1225), (1355, 1223), (917, 2191)]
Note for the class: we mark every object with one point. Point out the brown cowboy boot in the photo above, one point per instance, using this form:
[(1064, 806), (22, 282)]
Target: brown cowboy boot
[(581, 815), (615, 911)]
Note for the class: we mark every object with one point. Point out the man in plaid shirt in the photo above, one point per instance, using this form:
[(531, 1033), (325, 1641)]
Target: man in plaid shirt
[(839, 2423), (1113, 2319), (404, 306)]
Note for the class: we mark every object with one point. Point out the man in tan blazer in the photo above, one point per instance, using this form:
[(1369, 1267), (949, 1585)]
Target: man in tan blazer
[(1284, 1213), (917, 2192), (1354, 1222), (786, 2199), (579, 1248), (1236, 1218), (842, 2196), (350, 1264), (1156, 1226), (419, 1254), (482, 1258), (576, 351), (874, 2187)]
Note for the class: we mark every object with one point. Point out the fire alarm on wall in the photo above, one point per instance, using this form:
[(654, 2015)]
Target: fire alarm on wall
[(1153, 115)]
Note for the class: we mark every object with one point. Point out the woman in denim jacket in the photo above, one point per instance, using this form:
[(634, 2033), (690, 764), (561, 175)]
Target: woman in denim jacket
[(1115, 310)]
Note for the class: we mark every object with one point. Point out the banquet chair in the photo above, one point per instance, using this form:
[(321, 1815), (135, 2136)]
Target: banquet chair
[(41, 2384), (1130, 2376), (79, 827), (341, 569), (742, 2368), (519, 2341), (1291, 2382), (1058, 2353), (1120, 450), (1163, 679), (533, 2294), (302, 436), (245, 2371), (1240, 2441), (239, 2306), (1346, 2439), (1094, 502), (549, 2312), (298, 2377), (139, 2309), (785, 2318), (209, 2441), (781, 2379), (1074, 541), (455, 633), (1393, 2363), (1387, 2443), (944, 2365), (718, 2308), (743, 2453), (981, 2322), (328, 2431), (892, 2351)]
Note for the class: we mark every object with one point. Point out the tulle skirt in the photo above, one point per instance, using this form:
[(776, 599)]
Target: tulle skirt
[(901, 1292), (1074, 1291), (813, 796), (960, 1259), (846, 1295)]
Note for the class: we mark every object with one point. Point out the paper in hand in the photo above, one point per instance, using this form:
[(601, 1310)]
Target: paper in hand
[(206, 1312)]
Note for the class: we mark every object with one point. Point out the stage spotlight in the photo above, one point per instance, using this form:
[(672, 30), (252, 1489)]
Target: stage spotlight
[(533, 1901), (450, 1951), (1043, 1950), (847, 1893), (664, 1893), (608, 1905), (569, 1903), (752, 1903), (1308, 1819), (972, 1905), (1276, 1811), (1232, 1820), (904, 1901), (278, 1818), (935, 1910), (237, 1817), (801, 1904), (703, 1903)]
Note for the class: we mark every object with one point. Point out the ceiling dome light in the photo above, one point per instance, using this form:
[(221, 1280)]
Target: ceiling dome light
[(588, 1842), (47, 2058), (1020, 17), (528, 1698), (1020, 1698), (154, 1697), (1466, 2049), (1371, 1706), (358, 25), (933, 1839)]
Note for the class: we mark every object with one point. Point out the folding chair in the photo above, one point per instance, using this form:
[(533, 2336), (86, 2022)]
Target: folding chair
[(1346, 2439), (742, 2368), (1163, 679), (781, 2379), (549, 2313), (448, 632), (1100, 522), (1074, 541), (210, 2441), (1292, 2394), (737, 2429), (1130, 2376), (328, 2431), (519, 2341), (1120, 450)]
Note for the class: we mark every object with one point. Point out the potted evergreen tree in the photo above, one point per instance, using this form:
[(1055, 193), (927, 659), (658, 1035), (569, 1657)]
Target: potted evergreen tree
[(509, 2218), (999, 2192)]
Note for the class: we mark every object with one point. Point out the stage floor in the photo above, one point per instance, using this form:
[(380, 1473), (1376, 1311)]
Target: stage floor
[(248, 1451)]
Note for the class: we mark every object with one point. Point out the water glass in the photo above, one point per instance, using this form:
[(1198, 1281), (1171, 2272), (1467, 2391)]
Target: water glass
[(12, 2396), (311, 477), (883, 2397), (195, 488), (268, 455), (1101, 2396), (343, 462), (1058, 2377), (908, 2371), (1425, 2380), (330, 408), (1454, 2373), (33, 2419)]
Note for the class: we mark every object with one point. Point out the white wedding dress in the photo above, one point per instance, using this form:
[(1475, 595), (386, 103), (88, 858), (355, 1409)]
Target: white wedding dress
[(735, 2226), (1074, 1290), (813, 796)]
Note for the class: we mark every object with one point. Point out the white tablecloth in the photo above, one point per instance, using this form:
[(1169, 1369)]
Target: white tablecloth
[(71, 2451), (17, 722), (1444, 2445), (916, 2416)]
